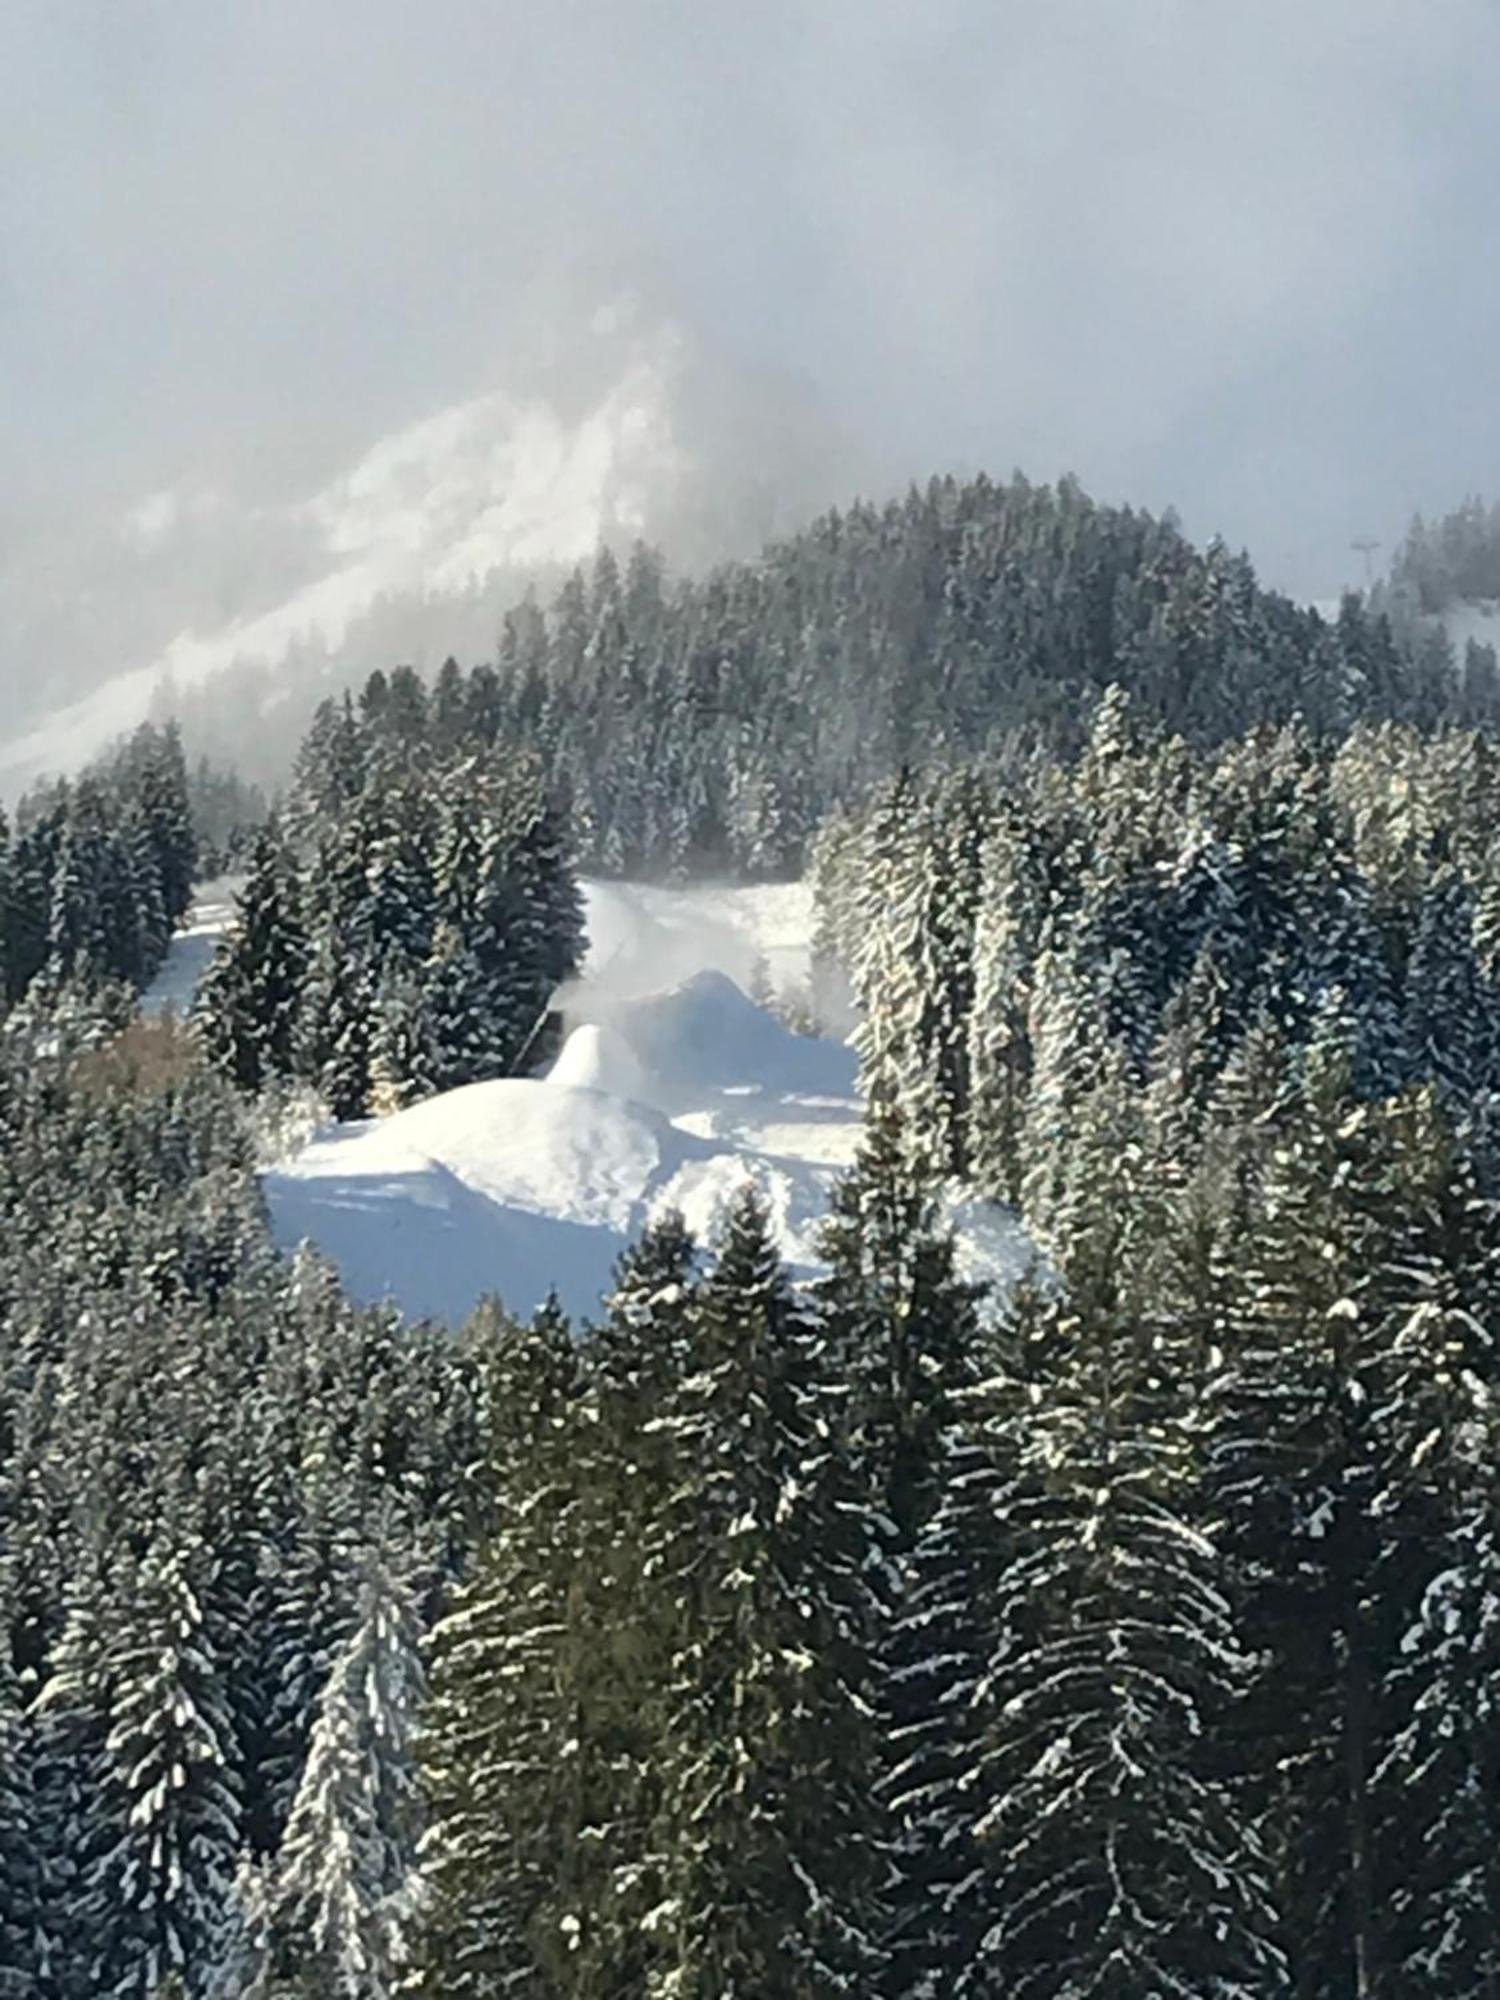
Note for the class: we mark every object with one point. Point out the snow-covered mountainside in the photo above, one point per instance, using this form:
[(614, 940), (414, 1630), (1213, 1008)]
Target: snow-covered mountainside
[(673, 1088), (412, 551), (498, 483)]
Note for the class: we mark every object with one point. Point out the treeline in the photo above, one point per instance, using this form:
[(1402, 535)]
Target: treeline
[(1225, 1028), (843, 1640), (1151, 911), (403, 926), (704, 727), (227, 1498), (1452, 560), (96, 874)]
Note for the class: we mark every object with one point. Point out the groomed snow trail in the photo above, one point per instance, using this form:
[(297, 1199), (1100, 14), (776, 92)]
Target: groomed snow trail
[(672, 1089), (193, 947)]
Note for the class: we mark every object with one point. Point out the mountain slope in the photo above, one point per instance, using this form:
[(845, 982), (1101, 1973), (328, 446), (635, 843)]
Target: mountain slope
[(411, 552)]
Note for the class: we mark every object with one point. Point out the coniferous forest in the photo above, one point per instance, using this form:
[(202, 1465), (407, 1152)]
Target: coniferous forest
[(1133, 1634)]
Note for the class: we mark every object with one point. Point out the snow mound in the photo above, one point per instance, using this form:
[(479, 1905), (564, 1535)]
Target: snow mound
[(668, 1099), (596, 1058), (517, 1187), (548, 1148), (705, 1038)]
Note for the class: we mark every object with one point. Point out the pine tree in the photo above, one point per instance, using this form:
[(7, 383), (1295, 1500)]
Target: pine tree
[(337, 1901), (404, 1042), (1437, 1574), (334, 1020), (497, 1743), (1449, 1003), (155, 1899), (1089, 1848), (20, 1837), (770, 1856), (1295, 1458), (1007, 928), (250, 995)]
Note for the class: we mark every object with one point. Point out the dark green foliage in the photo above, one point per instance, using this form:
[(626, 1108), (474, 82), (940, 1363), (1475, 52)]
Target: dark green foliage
[(706, 725), (252, 993), (417, 940), (1137, 1636), (771, 1854), (195, 1440), (98, 873)]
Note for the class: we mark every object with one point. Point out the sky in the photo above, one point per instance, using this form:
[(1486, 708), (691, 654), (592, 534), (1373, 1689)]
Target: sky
[(1237, 259)]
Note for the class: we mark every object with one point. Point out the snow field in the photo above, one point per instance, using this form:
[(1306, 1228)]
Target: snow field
[(190, 951), (672, 1089)]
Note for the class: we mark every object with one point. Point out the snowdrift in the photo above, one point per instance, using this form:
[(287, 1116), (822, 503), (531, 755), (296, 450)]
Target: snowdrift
[(703, 1040), (527, 1185), (673, 1089)]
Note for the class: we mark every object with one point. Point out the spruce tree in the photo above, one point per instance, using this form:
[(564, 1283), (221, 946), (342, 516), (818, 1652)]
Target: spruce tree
[(770, 1853), (337, 1902), (497, 1743), (155, 1899), (249, 999), (1089, 1846)]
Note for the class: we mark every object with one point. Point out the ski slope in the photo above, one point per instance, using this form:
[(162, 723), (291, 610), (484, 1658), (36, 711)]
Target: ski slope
[(190, 952), (672, 1089)]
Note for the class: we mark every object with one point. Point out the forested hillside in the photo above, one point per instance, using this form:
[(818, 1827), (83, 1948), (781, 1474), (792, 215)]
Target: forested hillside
[(97, 874), (705, 726), (1132, 1634), (402, 928), (1451, 560)]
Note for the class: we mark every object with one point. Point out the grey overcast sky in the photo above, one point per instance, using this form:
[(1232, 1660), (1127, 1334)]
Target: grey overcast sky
[(1240, 258)]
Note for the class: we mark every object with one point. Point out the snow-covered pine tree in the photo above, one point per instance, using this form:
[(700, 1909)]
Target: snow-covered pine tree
[(1090, 1848), (71, 1818), (1072, 1057), (1437, 1573), (21, 1939), (248, 1002), (338, 1896), (156, 772), (770, 1851), (404, 1040), (1008, 926), (155, 1898), (395, 835), (903, 1324), (906, 1336), (1449, 1003), (914, 972), (334, 1021), (497, 1743), (1295, 1464), (28, 901), (76, 917), (305, 1608)]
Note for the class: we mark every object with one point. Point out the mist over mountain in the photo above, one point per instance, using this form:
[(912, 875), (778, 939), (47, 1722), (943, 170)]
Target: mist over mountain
[(224, 606)]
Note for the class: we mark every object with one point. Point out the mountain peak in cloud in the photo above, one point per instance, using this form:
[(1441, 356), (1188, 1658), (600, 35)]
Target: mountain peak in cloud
[(624, 430)]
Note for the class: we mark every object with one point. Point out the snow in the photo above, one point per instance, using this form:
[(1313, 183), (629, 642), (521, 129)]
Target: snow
[(522, 1185), (193, 947), (1478, 619), (672, 1089)]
